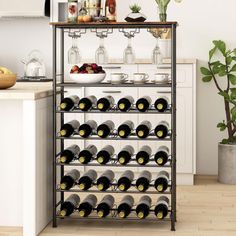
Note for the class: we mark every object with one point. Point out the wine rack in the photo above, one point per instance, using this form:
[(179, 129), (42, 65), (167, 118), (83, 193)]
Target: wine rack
[(59, 88)]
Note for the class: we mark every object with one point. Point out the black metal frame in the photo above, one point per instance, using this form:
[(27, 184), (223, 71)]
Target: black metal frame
[(59, 89)]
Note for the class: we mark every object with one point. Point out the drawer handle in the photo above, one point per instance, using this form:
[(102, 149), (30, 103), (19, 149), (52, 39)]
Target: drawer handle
[(164, 92), (112, 67), (113, 91)]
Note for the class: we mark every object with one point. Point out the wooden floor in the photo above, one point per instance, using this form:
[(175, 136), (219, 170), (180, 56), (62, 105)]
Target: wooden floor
[(206, 209)]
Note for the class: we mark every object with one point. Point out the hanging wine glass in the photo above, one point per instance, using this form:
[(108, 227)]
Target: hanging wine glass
[(157, 57), (129, 54), (74, 56), (101, 55)]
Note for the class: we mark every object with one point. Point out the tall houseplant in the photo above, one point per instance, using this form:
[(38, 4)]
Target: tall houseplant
[(222, 65)]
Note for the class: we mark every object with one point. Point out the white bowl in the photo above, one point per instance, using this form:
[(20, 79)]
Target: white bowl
[(87, 78)]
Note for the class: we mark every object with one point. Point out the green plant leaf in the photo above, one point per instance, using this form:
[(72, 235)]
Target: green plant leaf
[(207, 78), (225, 95), (233, 94), (232, 79), (220, 45), (233, 68), (205, 71), (212, 52), (222, 126), (233, 112), (229, 60), (234, 51), (225, 141), (216, 69)]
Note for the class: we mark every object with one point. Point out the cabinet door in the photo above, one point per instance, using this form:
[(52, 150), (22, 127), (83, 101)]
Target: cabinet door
[(117, 118)]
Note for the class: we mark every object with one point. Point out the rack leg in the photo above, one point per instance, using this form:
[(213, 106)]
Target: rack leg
[(173, 221)]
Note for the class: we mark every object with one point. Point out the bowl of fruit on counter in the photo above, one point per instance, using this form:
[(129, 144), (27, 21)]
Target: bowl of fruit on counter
[(87, 74), (7, 78)]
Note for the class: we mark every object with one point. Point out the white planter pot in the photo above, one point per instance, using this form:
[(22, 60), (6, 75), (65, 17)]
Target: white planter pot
[(227, 163)]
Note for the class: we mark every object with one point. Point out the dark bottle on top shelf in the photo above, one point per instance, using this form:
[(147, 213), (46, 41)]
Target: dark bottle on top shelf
[(162, 155), (144, 103), (105, 206), (87, 103), (86, 181), (144, 129), (69, 128), (69, 205), (125, 181), (143, 207), (161, 104), (88, 128), (69, 103), (105, 154), (125, 206), (125, 129), (161, 208), (87, 205), (162, 130), (143, 155), (105, 180), (162, 181), (143, 181), (69, 154), (105, 103), (105, 129), (70, 179), (125, 155), (86, 155), (125, 104)]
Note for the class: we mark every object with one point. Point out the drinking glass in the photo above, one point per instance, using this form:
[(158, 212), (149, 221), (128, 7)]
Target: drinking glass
[(74, 56), (101, 55), (157, 58), (129, 54)]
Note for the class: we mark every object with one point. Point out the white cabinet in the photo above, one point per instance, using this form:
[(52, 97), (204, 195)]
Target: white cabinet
[(22, 8)]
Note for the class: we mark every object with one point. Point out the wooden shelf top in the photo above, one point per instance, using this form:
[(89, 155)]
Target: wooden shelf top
[(115, 24)]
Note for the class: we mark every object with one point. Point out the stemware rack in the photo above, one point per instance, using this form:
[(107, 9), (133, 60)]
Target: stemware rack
[(59, 85)]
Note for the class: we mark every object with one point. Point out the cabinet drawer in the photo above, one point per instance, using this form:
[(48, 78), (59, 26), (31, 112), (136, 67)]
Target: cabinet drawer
[(184, 73)]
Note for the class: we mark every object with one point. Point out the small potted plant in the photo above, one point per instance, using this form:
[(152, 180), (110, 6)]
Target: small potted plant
[(135, 15), (162, 5), (222, 65)]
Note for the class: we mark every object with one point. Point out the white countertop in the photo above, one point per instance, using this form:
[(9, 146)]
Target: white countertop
[(27, 91)]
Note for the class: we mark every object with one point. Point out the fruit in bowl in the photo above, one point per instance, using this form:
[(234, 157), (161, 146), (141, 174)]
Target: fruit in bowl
[(7, 78), (87, 73)]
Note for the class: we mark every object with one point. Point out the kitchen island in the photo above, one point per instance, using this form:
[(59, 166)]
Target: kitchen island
[(26, 156)]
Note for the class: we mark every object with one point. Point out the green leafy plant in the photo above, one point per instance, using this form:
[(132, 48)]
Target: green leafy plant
[(224, 68), (135, 8)]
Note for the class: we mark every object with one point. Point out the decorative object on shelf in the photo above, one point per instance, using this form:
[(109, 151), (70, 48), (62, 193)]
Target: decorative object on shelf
[(74, 56), (162, 5), (110, 10), (72, 11), (215, 70), (7, 78), (135, 15)]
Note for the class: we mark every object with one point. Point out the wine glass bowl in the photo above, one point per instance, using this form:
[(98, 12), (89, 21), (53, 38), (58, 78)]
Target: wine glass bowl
[(129, 54), (74, 56)]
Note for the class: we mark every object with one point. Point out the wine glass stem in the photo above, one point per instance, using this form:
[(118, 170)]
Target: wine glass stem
[(74, 42), (102, 42), (129, 42)]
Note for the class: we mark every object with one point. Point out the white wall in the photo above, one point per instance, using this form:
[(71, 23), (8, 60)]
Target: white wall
[(200, 21)]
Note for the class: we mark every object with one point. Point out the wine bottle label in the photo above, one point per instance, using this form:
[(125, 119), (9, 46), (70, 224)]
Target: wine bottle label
[(111, 12), (72, 12)]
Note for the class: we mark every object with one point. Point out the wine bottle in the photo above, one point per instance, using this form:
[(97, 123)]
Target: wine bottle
[(86, 129), (105, 155), (125, 181), (125, 155), (69, 205), (126, 103), (161, 104), (105, 180), (144, 103), (162, 155), (143, 207), (125, 129), (105, 206), (143, 181), (86, 155), (69, 103), (143, 156), (70, 179), (162, 130), (69, 154), (105, 129), (162, 180), (161, 208), (69, 128), (86, 181), (87, 205), (110, 10), (125, 206), (105, 103), (87, 103), (144, 129)]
